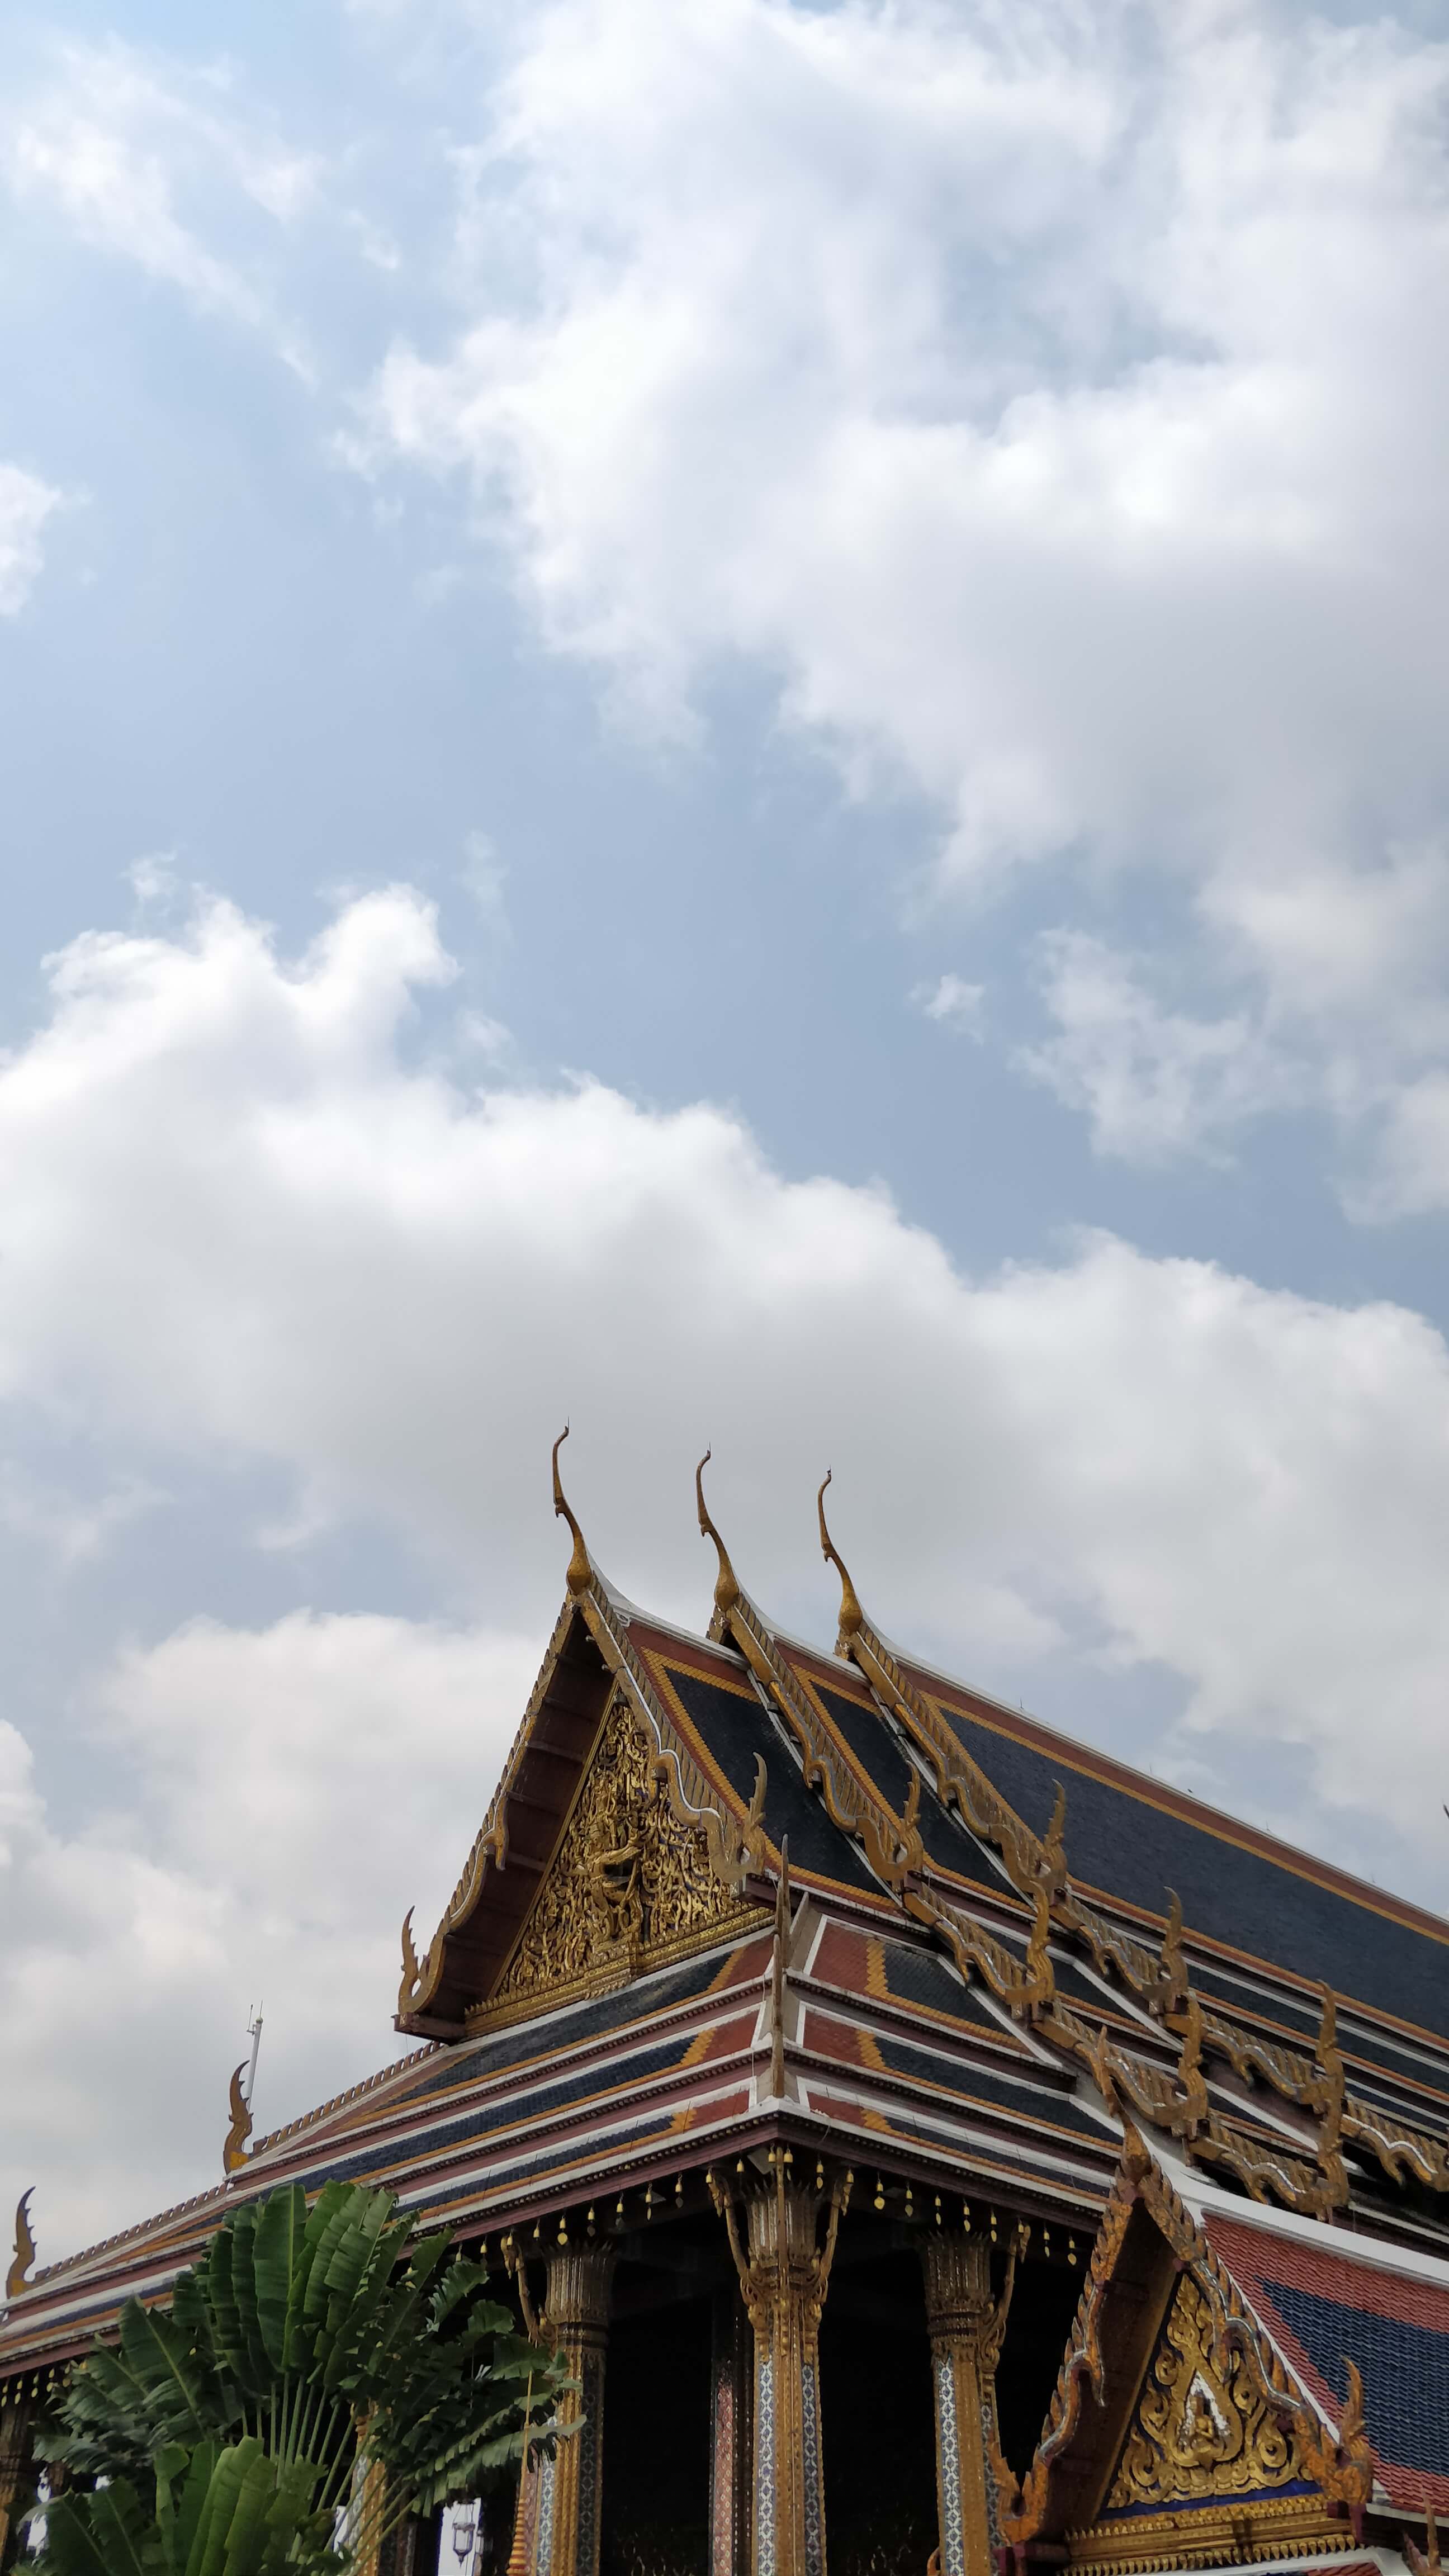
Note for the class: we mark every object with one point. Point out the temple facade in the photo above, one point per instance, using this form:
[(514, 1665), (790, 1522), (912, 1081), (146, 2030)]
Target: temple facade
[(934, 2145)]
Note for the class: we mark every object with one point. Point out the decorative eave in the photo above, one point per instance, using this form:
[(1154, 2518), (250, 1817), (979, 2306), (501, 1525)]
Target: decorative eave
[(891, 1843), (1157, 1979), (1147, 2240), (589, 1655)]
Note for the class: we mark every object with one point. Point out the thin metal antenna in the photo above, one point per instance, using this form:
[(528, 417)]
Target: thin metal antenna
[(254, 2034)]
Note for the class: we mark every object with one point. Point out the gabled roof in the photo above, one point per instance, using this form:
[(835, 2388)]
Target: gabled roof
[(1132, 1839), (1178, 2433), (982, 1985), (1327, 2307)]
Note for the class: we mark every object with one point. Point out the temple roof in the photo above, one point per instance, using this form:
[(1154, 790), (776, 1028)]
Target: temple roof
[(1326, 2307), (731, 1887), (1132, 1838)]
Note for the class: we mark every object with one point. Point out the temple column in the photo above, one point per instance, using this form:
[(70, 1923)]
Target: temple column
[(784, 2276), (966, 2330), (729, 2437), (557, 2528), (15, 2473)]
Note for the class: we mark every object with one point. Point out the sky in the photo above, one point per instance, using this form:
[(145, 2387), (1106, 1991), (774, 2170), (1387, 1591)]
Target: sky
[(726, 723)]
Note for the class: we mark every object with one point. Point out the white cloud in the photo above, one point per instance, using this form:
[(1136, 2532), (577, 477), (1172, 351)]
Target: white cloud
[(237, 1220), (292, 1791), (150, 161), (952, 1000), (25, 505), (1054, 402), (241, 1220), (1154, 1083)]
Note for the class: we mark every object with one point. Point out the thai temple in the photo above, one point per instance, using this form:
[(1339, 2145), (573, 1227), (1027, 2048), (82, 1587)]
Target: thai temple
[(935, 2145)]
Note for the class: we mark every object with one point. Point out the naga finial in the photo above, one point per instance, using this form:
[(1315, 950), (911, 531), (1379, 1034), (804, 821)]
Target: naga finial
[(1172, 1960), (580, 1573), (411, 1966), (15, 2278), (779, 1971), (234, 2152), (726, 1590), (1054, 1844), (1330, 2077), (852, 1617), (1193, 2102), (1325, 2047)]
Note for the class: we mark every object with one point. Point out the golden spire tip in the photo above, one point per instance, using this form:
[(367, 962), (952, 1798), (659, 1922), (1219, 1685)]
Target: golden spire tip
[(852, 1617), (234, 2151), (15, 2280), (726, 1590), (580, 1573)]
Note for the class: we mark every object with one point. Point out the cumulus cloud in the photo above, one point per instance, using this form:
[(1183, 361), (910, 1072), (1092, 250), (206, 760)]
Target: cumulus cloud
[(25, 505), (1053, 402), (1154, 1083), (248, 1214), (288, 1794), (243, 1214)]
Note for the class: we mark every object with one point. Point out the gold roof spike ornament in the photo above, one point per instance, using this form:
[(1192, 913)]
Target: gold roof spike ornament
[(852, 1617), (726, 1590), (16, 2278), (234, 2153), (779, 1971), (580, 1572)]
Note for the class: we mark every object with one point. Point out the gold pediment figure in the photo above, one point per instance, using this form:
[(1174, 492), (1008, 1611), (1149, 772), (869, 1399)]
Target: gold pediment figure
[(628, 1885), (1201, 2429)]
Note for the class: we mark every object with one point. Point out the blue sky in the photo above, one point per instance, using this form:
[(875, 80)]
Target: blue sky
[(729, 721)]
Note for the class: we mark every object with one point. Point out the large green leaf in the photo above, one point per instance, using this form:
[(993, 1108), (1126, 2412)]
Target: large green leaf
[(278, 2251), (106, 2533), (239, 2411)]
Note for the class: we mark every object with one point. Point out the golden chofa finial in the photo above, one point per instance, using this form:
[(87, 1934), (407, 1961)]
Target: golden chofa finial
[(15, 2280), (234, 2151), (580, 1574), (852, 1617), (726, 1590)]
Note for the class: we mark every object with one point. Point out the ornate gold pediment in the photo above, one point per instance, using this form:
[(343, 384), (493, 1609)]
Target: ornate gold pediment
[(629, 1886), (1210, 2471), (1202, 2427)]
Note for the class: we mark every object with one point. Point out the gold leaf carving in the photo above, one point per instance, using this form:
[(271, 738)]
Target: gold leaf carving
[(1203, 2429), (629, 1877)]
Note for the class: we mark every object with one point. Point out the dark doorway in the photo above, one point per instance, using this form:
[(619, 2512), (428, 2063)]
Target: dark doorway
[(1042, 2309), (656, 2443), (876, 2421)]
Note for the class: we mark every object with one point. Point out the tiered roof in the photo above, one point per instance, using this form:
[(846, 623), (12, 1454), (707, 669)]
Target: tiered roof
[(732, 1889)]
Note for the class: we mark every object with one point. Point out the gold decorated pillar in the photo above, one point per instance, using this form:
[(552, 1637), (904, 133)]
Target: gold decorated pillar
[(556, 2532), (966, 2329), (784, 2275)]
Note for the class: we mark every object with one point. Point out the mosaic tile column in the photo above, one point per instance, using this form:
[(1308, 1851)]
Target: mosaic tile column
[(729, 2436), (784, 2276), (557, 2528), (966, 2330)]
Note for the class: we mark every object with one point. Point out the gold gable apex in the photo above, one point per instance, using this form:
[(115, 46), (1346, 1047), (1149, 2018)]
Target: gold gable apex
[(630, 1885)]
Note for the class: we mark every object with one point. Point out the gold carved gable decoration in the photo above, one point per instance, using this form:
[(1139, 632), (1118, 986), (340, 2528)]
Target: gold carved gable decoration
[(1201, 2431), (1211, 2473), (629, 1884)]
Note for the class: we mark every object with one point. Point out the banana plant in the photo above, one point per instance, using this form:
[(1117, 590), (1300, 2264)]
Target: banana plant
[(225, 2434)]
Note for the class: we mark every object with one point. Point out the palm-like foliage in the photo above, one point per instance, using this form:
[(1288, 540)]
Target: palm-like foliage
[(306, 2348)]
